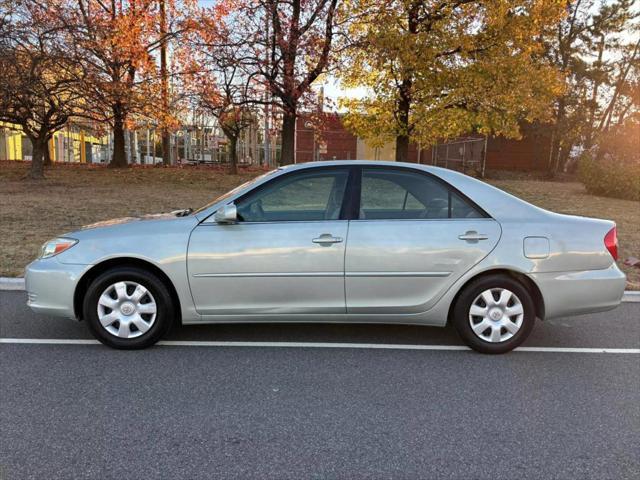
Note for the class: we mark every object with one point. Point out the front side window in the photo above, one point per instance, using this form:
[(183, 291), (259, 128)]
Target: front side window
[(235, 190), (302, 196), (394, 194)]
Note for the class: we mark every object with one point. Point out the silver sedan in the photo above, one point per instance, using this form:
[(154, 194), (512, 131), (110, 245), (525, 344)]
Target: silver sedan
[(346, 241)]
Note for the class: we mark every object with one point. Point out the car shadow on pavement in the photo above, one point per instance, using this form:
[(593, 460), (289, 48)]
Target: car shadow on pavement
[(308, 332)]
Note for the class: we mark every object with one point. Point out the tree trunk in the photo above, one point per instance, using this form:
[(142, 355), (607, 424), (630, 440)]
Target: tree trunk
[(288, 137), (164, 84), (37, 163), (564, 159), (46, 155), (405, 93), (166, 147), (556, 146), (402, 148), (233, 154), (593, 102), (119, 159), (402, 140)]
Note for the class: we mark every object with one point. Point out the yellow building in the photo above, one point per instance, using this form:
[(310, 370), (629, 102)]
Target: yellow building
[(71, 144), (364, 151)]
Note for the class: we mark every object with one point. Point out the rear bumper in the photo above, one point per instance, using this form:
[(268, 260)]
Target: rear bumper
[(51, 285), (575, 293)]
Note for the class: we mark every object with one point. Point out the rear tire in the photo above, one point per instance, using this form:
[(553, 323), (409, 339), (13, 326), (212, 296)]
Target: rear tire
[(494, 314), (128, 308)]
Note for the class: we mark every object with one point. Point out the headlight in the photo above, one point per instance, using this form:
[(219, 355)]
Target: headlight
[(56, 246)]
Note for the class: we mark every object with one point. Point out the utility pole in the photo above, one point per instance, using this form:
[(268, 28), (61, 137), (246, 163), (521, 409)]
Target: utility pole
[(164, 80), (267, 93)]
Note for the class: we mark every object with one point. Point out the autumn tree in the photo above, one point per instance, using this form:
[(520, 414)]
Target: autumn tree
[(233, 121), (112, 44), (596, 47), (220, 84), (441, 68), (38, 84), (230, 101), (623, 101), (286, 46), (116, 44)]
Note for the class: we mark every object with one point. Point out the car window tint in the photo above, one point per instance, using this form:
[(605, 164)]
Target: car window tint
[(380, 193), (395, 194), (461, 208), (314, 195)]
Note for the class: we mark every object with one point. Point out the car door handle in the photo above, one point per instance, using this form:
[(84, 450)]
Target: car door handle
[(326, 239), (473, 236)]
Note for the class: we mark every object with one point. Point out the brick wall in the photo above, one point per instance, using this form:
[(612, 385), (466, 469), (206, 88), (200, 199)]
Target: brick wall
[(339, 143), (529, 153)]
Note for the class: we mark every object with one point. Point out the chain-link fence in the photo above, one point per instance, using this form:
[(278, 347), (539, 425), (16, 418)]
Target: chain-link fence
[(464, 154)]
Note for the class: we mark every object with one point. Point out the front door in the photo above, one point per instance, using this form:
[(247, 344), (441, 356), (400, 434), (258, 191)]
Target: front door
[(414, 237), (285, 255)]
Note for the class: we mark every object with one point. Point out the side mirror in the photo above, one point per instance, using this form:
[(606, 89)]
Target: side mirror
[(226, 214)]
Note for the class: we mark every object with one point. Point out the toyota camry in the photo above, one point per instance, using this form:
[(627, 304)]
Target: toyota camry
[(343, 241)]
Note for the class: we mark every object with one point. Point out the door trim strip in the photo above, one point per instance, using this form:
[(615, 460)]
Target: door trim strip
[(323, 274), (397, 274), (274, 274)]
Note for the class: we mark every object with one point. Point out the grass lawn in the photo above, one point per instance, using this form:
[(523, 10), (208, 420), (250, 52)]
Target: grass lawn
[(31, 212)]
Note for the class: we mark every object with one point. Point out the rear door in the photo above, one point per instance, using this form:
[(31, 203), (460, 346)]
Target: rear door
[(414, 236)]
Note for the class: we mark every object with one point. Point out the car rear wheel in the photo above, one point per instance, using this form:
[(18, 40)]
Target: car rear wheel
[(494, 314), (128, 308)]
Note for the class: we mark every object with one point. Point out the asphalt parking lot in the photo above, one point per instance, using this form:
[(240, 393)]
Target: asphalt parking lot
[(299, 406)]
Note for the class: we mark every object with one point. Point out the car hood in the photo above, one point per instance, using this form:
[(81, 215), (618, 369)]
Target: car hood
[(160, 223), (121, 221)]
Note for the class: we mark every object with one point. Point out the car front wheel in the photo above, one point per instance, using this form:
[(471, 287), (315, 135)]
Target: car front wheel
[(128, 308), (494, 314)]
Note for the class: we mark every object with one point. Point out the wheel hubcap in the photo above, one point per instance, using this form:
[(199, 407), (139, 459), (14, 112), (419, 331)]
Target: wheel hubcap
[(496, 315), (126, 309)]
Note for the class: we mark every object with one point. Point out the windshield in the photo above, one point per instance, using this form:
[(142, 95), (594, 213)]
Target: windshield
[(230, 193)]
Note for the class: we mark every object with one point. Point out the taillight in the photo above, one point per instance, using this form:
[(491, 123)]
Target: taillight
[(611, 242)]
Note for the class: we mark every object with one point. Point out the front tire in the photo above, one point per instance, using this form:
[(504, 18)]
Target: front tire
[(128, 308), (494, 314)]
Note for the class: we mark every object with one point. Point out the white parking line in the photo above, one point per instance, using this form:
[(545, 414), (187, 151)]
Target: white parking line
[(373, 346)]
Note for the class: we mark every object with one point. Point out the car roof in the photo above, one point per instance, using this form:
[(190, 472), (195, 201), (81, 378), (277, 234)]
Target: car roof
[(342, 163)]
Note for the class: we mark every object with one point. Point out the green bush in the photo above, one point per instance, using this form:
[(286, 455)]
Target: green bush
[(611, 177)]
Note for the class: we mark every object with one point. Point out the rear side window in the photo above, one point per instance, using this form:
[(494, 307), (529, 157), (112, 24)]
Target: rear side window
[(390, 194), (461, 208)]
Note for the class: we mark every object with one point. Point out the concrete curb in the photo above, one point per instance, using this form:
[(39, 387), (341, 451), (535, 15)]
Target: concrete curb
[(17, 283), (11, 283)]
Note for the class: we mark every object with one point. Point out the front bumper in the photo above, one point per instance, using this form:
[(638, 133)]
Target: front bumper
[(51, 285), (576, 293)]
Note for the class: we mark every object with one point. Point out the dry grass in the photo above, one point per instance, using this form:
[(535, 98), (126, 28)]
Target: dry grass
[(72, 196)]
